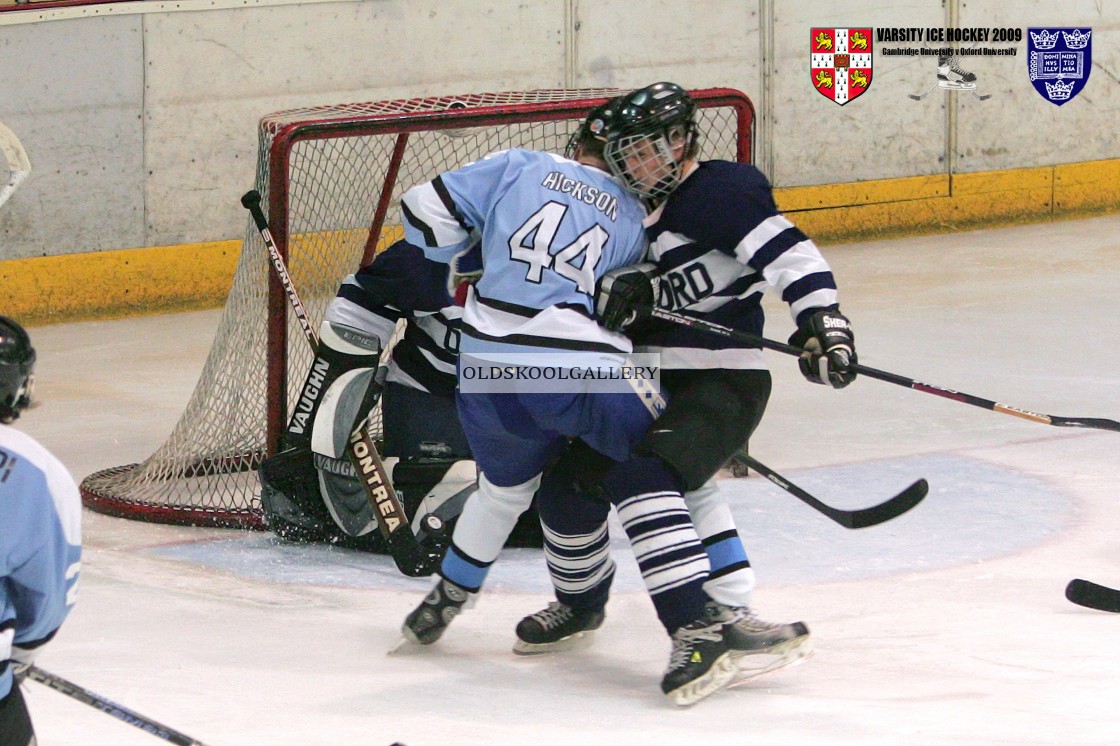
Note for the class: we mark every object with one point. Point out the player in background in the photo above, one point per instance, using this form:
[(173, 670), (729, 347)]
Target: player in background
[(40, 538), (551, 227), (718, 242), (309, 491)]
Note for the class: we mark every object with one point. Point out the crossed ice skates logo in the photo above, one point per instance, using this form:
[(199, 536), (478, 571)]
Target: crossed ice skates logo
[(951, 77)]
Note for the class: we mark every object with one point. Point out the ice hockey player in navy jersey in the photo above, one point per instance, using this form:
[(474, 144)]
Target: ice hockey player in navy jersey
[(40, 538), (718, 242)]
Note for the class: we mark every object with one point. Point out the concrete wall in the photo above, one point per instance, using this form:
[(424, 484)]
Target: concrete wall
[(140, 118), (73, 92)]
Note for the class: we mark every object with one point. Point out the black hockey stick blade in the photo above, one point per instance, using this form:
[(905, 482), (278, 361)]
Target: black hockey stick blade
[(853, 519), (1089, 594), (413, 558), (894, 507), (920, 96)]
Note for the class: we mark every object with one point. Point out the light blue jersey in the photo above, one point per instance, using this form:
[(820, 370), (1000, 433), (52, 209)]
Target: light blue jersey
[(40, 545), (551, 227)]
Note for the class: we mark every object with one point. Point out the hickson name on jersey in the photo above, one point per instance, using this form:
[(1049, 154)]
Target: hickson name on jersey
[(720, 243)]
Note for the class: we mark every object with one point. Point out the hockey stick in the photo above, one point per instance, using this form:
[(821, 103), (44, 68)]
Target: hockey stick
[(1093, 596), (85, 696), (882, 375), (861, 518), (411, 558), (919, 98)]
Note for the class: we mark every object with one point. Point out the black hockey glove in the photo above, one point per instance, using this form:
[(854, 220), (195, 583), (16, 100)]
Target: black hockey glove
[(626, 295), (830, 348)]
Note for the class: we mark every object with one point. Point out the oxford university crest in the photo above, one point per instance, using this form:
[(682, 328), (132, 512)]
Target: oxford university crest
[(1059, 61)]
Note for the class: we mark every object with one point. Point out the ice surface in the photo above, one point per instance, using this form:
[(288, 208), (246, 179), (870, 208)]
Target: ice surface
[(945, 626)]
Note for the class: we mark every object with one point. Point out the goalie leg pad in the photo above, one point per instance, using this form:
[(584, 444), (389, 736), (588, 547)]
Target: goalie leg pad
[(290, 498), (347, 397), (344, 496), (293, 505), (711, 414), (433, 492), (342, 349)]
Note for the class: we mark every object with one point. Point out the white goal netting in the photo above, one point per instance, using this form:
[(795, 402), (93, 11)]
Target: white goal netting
[(331, 178)]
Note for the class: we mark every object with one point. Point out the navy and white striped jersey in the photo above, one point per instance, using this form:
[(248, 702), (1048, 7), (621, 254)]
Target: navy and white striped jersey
[(551, 227), (401, 283), (40, 546), (719, 243)]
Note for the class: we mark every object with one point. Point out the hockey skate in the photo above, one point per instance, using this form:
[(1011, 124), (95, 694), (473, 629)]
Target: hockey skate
[(759, 647), (556, 628), (700, 663), (951, 77), (427, 622)]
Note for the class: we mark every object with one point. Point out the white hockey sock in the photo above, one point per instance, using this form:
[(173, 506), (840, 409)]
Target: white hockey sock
[(732, 579), (489, 516)]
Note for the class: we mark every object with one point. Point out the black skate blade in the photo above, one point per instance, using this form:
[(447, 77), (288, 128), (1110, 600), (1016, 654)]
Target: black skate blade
[(1090, 595)]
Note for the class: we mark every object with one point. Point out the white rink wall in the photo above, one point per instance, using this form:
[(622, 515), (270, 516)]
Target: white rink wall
[(885, 134), (140, 118)]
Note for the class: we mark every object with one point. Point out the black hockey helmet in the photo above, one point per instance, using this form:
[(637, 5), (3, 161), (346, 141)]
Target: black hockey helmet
[(652, 132), (594, 129), (17, 361)]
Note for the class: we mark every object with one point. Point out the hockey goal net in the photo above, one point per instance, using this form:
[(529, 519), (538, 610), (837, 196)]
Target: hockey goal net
[(331, 178)]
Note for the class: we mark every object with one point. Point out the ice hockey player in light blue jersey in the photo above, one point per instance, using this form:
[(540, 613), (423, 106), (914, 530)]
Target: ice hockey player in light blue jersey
[(40, 537), (551, 229)]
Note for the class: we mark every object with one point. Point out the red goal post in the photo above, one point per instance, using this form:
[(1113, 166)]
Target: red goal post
[(331, 177)]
